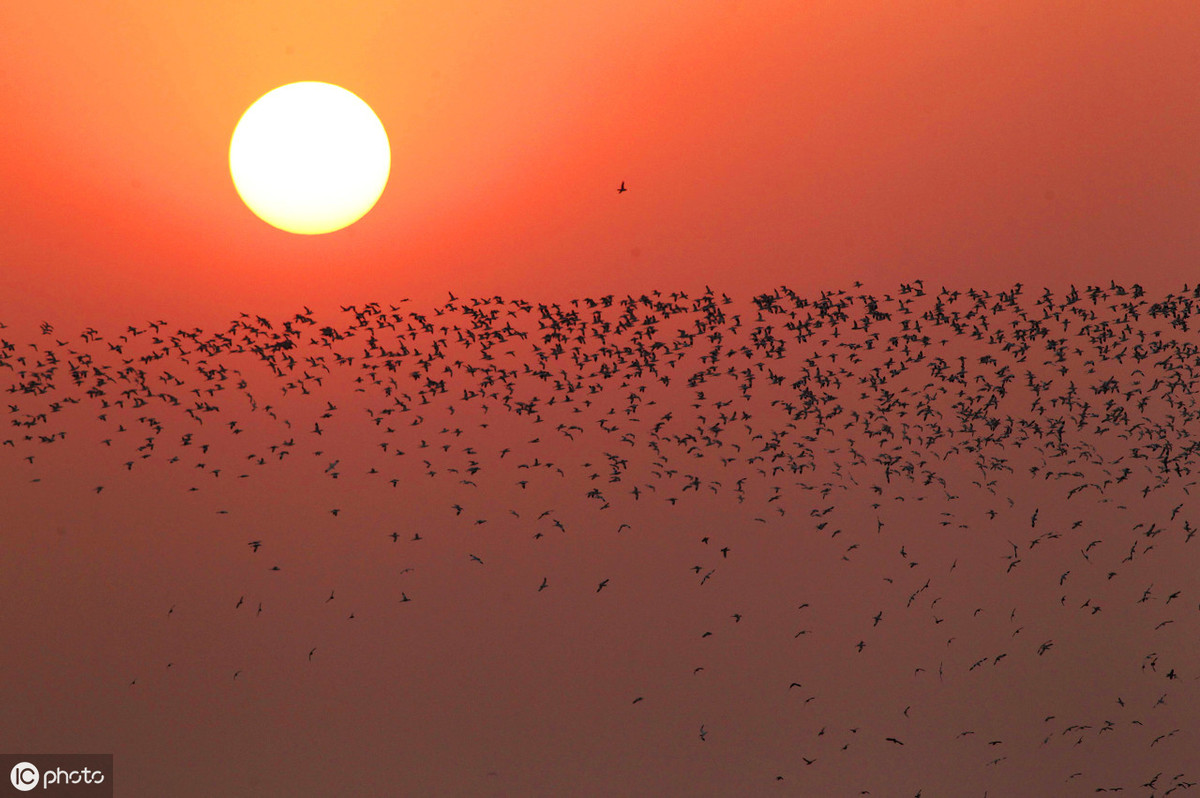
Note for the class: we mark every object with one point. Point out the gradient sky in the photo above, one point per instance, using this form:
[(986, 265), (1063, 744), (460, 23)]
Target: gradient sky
[(969, 144), (808, 144)]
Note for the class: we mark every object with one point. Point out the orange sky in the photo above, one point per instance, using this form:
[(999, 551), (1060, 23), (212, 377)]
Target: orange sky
[(810, 144), (813, 144)]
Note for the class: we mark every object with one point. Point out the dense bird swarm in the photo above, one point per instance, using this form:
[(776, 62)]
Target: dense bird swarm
[(955, 528)]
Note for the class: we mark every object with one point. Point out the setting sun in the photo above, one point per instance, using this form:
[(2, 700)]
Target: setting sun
[(309, 158), (768, 398)]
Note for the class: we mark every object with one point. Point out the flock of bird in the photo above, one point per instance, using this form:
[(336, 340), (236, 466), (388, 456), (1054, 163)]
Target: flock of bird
[(1048, 440)]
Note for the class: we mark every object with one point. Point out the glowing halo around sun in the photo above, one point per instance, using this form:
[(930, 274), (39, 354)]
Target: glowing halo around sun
[(309, 158)]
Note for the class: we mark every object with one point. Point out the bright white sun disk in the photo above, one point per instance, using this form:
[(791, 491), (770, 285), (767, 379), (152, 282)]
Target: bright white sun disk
[(309, 158)]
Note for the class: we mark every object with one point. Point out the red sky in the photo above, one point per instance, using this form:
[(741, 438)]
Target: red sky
[(810, 144), (815, 144)]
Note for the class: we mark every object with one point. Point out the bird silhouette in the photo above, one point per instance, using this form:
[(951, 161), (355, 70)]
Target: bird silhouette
[(796, 428)]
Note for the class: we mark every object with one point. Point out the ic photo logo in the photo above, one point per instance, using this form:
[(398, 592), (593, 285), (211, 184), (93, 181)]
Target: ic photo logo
[(24, 776), (60, 774)]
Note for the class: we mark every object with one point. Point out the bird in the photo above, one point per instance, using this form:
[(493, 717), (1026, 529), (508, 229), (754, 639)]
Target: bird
[(642, 387), (622, 189)]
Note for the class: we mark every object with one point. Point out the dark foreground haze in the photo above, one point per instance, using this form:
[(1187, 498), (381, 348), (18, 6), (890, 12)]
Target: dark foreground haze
[(887, 542)]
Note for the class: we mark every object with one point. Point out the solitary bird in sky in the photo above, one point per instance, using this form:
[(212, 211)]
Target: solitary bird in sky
[(622, 188)]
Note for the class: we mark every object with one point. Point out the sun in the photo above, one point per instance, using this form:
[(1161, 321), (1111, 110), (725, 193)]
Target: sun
[(309, 158)]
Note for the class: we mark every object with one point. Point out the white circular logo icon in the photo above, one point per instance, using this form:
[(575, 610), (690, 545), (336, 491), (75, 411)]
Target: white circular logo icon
[(24, 776)]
